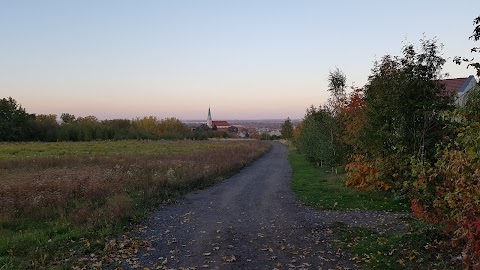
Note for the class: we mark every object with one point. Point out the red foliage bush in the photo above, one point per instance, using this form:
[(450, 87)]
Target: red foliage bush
[(448, 192)]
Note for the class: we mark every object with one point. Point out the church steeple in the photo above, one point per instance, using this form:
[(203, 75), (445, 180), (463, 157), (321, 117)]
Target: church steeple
[(209, 118)]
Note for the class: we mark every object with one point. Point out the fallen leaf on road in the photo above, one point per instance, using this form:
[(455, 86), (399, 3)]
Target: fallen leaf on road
[(226, 258)]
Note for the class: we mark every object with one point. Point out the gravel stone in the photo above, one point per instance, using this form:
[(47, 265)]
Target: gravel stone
[(250, 221)]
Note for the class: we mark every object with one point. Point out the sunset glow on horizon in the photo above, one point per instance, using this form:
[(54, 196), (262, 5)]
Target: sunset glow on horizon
[(245, 59)]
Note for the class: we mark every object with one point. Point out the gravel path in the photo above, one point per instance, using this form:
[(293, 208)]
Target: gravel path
[(250, 221)]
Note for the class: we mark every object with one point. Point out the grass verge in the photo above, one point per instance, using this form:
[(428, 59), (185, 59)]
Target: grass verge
[(55, 207), (316, 186), (421, 246)]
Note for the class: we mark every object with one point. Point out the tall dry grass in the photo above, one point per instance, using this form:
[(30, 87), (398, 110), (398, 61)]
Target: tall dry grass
[(53, 206), (101, 190)]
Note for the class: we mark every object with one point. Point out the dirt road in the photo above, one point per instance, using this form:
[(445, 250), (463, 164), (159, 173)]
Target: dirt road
[(250, 221)]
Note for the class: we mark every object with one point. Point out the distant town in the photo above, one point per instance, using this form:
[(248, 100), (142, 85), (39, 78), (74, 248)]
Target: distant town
[(270, 128)]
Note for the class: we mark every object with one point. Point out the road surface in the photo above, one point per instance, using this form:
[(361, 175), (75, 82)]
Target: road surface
[(250, 221)]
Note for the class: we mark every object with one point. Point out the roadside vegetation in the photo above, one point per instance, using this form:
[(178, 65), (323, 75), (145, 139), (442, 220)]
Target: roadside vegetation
[(418, 245), (319, 187), (61, 201), (400, 137)]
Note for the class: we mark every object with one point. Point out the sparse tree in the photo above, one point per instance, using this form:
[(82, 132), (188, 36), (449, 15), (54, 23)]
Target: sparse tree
[(337, 82), (476, 37)]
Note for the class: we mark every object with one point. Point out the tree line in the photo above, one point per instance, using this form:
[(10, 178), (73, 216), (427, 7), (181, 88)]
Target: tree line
[(403, 133), (18, 125)]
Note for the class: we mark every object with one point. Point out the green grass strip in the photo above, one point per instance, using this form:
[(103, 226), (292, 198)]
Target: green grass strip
[(317, 186), (421, 246)]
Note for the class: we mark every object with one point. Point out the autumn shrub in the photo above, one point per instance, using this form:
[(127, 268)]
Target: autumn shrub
[(363, 174), (390, 173), (447, 192)]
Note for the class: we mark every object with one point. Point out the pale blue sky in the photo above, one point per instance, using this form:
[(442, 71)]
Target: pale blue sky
[(245, 59)]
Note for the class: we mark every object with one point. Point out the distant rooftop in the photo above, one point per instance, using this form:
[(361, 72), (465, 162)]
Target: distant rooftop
[(220, 123), (456, 85)]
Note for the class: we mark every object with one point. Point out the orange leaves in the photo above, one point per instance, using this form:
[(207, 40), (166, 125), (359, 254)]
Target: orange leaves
[(471, 231), (353, 117), (364, 174), (360, 174), (449, 193), (417, 208), (229, 259)]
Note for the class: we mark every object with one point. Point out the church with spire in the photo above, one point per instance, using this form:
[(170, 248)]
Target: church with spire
[(217, 124)]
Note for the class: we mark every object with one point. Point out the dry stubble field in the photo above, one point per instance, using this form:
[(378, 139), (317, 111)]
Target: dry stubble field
[(60, 201)]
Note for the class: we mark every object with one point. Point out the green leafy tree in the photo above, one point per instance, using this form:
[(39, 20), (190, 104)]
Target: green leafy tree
[(404, 118), (147, 123), (49, 118), (89, 128), (118, 129), (317, 138), (45, 127), (171, 125), (203, 128), (168, 128), (287, 129), (67, 118), (15, 122), (319, 134), (87, 119), (405, 102)]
